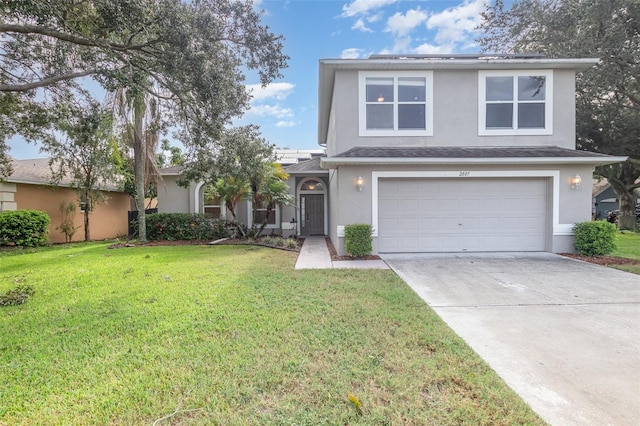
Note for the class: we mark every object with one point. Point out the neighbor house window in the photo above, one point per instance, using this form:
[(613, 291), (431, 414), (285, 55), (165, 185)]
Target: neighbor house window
[(515, 103), (396, 103)]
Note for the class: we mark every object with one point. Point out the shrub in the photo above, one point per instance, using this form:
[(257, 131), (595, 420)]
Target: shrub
[(594, 238), (24, 228), (290, 243), (358, 239), (185, 226), (278, 241), (16, 296)]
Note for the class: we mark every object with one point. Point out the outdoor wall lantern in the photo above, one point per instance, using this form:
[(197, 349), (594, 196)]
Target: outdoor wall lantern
[(576, 181), (359, 183)]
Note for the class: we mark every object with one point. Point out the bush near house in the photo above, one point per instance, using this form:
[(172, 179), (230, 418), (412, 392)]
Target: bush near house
[(24, 228), (185, 226), (358, 239), (595, 238)]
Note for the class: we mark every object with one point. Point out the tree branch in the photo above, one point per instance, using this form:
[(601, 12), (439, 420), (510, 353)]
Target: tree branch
[(45, 81), (81, 41)]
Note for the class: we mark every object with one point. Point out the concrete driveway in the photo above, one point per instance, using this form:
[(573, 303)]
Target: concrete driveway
[(564, 334)]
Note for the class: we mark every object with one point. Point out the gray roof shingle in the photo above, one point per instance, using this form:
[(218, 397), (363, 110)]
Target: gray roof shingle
[(38, 172), (468, 152)]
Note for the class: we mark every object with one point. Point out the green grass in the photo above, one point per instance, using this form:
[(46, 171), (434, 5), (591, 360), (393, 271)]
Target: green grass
[(230, 335), (628, 245)]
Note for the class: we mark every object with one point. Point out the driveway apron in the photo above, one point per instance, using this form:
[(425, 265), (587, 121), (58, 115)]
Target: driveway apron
[(564, 334)]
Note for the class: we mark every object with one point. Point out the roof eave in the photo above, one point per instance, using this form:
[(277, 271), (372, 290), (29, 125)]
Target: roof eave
[(308, 172), (332, 162)]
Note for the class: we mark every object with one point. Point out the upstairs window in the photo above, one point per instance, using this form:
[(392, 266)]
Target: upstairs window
[(515, 103), (396, 104)]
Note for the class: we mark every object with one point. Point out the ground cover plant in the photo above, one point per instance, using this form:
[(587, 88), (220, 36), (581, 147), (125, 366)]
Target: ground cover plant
[(230, 335)]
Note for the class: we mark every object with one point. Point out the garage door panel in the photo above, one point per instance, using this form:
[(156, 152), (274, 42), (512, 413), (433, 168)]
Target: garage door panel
[(447, 215)]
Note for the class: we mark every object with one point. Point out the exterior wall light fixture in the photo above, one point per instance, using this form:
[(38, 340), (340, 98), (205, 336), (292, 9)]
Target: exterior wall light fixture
[(576, 181), (359, 183)]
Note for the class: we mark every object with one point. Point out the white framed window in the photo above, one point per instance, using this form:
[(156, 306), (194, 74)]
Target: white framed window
[(396, 103), (213, 206), (261, 212), (515, 102)]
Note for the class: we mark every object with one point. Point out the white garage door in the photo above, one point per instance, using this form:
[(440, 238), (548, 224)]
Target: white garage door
[(459, 215)]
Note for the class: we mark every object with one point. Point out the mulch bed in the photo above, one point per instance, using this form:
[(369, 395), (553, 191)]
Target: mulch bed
[(603, 260), (334, 253), (234, 241)]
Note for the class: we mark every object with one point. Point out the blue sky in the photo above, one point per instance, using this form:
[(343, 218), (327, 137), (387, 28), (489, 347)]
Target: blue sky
[(286, 110)]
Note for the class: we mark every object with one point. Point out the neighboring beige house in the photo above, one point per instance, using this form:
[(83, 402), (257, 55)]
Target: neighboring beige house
[(29, 187)]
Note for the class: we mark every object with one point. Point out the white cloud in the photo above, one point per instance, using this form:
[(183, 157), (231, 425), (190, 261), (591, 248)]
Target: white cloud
[(457, 24), (363, 7), (286, 124), (430, 49), (352, 53), (278, 91), (277, 111), (360, 25), (374, 18), (401, 25)]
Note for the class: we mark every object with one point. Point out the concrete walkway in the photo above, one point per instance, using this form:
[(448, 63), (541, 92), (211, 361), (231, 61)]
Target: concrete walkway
[(315, 255)]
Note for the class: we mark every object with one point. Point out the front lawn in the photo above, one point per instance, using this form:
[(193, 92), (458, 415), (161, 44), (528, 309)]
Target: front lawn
[(230, 335), (628, 246)]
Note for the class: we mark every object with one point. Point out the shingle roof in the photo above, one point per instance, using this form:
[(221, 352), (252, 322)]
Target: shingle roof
[(171, 171), (37, 171), (468, 152), (467, 155), (309, 166)]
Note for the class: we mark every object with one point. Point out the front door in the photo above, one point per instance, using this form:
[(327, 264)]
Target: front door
[(312, 214)]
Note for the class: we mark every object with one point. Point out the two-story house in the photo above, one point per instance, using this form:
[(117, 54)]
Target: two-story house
[(448, 154)]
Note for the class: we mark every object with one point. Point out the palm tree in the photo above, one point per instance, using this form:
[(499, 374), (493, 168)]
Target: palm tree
[(269, 189), (138, 112)]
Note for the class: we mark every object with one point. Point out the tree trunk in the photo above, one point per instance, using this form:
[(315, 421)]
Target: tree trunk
[(139, 154), (627, 208), (87, 234)]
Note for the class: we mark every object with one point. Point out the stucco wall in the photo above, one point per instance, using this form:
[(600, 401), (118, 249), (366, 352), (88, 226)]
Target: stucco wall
[(173, 198), (455, 115), (105, 221)]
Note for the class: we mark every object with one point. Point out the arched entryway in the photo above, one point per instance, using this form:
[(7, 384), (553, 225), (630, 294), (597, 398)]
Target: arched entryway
[(312, 200)]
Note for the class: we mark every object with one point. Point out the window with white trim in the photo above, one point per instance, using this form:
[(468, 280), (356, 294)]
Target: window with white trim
[(393, 104), (213, 205), (515, 103)]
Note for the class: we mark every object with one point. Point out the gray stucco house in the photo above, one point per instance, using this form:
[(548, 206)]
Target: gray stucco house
[(458, 153)]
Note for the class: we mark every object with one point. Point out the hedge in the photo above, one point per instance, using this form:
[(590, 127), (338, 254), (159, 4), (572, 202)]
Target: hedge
[(596, 238), (185, 226), (358, 239), (24, 228)]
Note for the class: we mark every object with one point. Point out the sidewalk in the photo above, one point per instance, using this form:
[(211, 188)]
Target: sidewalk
[(315, 255)]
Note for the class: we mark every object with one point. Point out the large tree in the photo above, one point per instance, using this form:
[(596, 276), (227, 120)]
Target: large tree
[(192, 52), (608, 94)]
